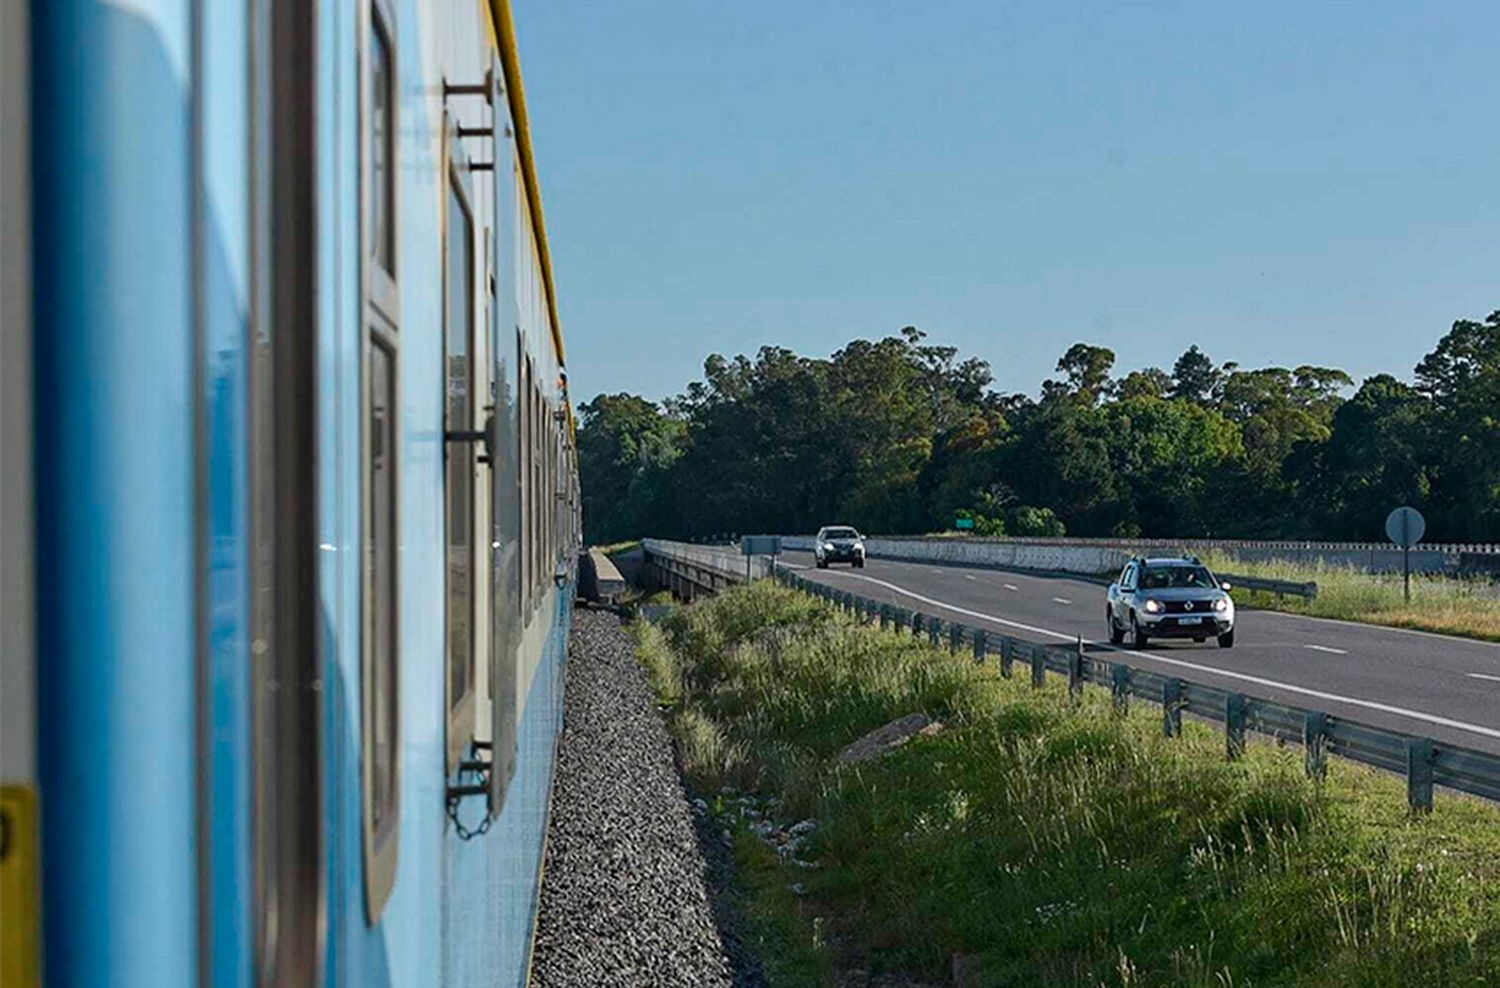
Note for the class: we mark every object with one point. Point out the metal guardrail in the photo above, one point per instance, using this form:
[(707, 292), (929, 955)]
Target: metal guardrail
[(1281, 588), (1425, 763)]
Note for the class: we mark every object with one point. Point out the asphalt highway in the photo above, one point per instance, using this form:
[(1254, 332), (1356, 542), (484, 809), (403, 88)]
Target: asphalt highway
[(1436, 686)]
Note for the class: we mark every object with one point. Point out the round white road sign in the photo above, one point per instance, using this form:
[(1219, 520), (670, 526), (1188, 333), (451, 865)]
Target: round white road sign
[(1405, 526)]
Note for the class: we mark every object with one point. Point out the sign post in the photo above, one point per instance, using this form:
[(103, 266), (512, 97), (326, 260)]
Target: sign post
[(1405, 527), (760, 545)]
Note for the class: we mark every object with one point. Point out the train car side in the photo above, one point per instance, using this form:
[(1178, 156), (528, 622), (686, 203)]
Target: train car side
[(306, 498)]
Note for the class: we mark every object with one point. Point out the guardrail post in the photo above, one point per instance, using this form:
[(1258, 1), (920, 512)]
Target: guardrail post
[(1007, 656), (1171, 708), (1314, 738), (934, 630), (979, 645), (1075, 670), (1120, 687), (1420, 756), (1234, 725), (1038, 666), (955, 639)]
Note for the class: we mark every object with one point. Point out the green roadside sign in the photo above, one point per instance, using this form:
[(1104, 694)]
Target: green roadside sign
[(963, 523)]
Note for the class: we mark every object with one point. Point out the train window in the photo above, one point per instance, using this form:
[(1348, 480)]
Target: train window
[(382, 142), (381, 554), (537, 488), (530, 519), (458, 337), (381, 591), (528, 483)]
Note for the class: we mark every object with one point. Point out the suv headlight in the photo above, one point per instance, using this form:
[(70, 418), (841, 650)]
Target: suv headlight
[(1153, 607), (1221, 605)]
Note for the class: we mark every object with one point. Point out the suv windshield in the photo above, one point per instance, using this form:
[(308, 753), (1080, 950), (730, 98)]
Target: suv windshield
[(840, 533), (1171, 577)]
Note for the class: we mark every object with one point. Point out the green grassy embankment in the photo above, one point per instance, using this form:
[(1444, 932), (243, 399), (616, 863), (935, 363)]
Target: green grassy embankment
[(616, 548), (1038, 840), (1442, 604)]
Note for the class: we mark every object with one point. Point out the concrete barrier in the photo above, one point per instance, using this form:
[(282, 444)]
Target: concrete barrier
[(687, 569), (1101, 555), (599, 578), (1084, 559)]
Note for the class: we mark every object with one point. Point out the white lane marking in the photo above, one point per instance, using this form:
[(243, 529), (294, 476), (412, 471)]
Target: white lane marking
[(1378, 628), (1325, 648), (1227, 674), (1061, 600), (1480, 675), (1011, 586), (968, 576)]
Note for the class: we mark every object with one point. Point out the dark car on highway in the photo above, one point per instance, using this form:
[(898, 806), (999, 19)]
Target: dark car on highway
[(1169, 598)]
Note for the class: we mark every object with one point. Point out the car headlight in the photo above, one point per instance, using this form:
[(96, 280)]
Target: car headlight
[(827, 546), (1153, 607), (1222, 604)]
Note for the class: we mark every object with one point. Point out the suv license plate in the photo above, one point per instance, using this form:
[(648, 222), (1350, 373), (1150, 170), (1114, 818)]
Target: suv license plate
[(1197, 619)]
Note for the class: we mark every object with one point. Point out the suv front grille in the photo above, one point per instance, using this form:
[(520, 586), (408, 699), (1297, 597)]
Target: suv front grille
[(1181, 606)]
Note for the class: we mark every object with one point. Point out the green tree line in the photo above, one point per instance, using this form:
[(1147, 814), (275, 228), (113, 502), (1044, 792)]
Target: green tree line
[(898, 435)]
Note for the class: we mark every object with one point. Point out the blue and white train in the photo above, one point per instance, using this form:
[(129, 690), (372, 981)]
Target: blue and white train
[(289, 504)]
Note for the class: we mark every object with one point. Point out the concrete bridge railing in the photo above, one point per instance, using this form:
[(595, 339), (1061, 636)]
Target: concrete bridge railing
[(688, 570), (1100, 555)]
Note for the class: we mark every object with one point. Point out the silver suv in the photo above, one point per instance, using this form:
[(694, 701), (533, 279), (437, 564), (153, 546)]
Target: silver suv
[(838, 543), (1169, 598)]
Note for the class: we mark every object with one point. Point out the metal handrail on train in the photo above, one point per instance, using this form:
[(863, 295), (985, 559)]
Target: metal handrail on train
[(1425, 763)]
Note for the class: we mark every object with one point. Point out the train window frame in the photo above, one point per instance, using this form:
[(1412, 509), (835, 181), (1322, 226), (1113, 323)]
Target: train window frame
[(380, 327), (385, 269), (461, 710), (537, 473), (525, 413)]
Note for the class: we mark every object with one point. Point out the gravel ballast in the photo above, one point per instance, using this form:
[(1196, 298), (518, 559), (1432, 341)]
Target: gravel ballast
[(624, 898)]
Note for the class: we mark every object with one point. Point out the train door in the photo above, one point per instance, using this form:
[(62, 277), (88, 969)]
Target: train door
[(20, 890), (287, 629), (464, 452), (505, 501), (381, 264)]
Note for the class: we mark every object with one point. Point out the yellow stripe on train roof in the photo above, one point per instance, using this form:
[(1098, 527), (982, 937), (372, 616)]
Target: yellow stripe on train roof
[(515, 93)]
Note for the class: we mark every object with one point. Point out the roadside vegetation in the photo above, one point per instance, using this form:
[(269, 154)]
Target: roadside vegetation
[(1037, 840), (617, 548), (1442, 604)]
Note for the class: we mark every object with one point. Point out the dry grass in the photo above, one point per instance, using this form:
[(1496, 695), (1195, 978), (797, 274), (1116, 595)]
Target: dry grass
[(1469, 608)]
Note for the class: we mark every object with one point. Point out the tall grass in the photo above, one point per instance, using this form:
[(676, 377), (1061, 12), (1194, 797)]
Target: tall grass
[(1049, 841), (1442, 604), (615, 548)]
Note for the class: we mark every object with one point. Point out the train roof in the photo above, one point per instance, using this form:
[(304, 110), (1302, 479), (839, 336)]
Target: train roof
[(515, 94)]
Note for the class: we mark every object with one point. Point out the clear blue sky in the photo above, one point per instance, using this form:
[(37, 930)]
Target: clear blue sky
[(1281, 183)]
